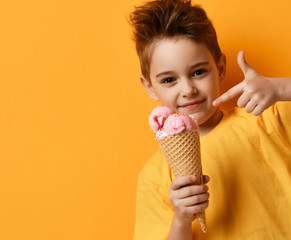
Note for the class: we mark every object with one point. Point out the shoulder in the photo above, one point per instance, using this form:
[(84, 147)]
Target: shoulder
[(279, 110), (274, 121), (237, 123), (279, 116)]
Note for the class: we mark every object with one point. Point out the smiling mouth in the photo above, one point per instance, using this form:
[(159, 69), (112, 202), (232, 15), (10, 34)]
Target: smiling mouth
[(192, 105)]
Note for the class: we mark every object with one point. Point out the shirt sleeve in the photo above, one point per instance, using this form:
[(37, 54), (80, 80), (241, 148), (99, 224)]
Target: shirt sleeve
[(280, 117), (154, 211)]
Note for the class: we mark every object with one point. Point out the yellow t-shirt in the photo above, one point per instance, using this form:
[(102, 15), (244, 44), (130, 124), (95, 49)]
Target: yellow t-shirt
[(248, 160)]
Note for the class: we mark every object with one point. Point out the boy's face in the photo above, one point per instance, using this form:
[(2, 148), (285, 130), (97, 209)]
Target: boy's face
[(185, 77)]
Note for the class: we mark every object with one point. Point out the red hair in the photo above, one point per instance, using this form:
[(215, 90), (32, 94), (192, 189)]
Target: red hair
[(160, 19)]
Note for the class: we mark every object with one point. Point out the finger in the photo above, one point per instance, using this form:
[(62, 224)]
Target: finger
[(244, 66), (242, 62), (243, 100), (261, 107), (198, 208), (230, 94), (182, 181), (251, 105), (206, 179), (258, 110), (193, 200), (192, 190)]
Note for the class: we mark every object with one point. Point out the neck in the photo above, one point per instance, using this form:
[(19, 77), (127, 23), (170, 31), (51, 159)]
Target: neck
[(211, 123)]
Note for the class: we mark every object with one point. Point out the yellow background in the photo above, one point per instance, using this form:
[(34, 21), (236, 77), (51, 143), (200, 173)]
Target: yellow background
[(73, 116)]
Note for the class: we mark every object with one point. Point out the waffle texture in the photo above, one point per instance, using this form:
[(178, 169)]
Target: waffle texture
[(182, 152)]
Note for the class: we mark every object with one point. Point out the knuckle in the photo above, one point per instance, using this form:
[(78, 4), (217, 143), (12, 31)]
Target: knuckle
[(189, 191), (186, 191), (171, 193), (172, 186), (176, 204), (257, 97), (251, 89), (172, 199), (195, 199), (175, 184)]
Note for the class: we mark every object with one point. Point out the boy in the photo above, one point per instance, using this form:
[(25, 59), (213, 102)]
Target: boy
[(247, 156)]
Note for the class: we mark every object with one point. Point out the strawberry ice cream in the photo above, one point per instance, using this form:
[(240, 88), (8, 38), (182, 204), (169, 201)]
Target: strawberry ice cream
[(177, 123), (179, 139), (158, 117), (166, 122)]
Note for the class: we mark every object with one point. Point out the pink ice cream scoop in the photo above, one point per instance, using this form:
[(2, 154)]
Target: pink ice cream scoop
[(177, 123), (178, 137), (158, 117)]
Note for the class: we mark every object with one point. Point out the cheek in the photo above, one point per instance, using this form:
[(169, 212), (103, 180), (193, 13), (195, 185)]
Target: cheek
[(168, 97), (211, 87)]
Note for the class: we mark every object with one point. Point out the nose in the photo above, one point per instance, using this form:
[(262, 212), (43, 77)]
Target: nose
[(188, 88)]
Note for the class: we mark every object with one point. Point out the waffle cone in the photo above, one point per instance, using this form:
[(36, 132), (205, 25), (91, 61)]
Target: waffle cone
[(182, 152)]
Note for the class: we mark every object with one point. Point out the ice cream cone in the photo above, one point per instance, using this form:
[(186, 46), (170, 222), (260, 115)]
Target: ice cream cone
[(182, 152)]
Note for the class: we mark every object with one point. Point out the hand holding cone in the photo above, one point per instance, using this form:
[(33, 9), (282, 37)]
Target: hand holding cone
[(180, 144)]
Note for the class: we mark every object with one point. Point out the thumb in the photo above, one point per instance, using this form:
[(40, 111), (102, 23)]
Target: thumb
[(244, 66)]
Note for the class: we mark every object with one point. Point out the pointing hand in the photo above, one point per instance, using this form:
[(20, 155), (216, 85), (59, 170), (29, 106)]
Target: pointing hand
[(257, 93)]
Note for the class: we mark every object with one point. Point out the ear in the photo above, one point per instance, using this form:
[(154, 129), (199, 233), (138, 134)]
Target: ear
[(149, 88), (221, 66)]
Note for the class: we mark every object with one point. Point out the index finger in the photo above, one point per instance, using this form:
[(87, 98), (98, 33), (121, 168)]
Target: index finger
[(231, 93), (182, 181)]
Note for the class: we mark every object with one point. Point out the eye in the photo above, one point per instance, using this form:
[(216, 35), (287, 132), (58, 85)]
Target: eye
[(199, 72), (168, 80)]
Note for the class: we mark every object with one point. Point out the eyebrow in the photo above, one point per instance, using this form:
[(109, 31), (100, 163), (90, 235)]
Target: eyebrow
[(193, 66)]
